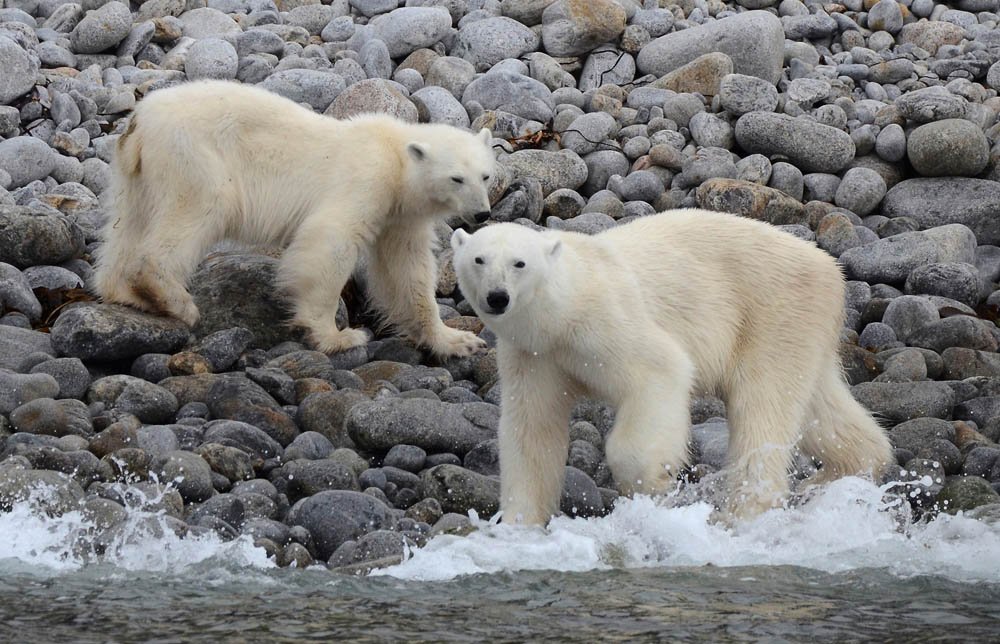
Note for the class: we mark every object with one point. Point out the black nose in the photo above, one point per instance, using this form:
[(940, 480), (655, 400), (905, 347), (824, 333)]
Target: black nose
[(498, 300), (482, 216)]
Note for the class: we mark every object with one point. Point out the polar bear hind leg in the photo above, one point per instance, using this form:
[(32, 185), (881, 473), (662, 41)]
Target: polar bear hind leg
[(841, 434), (767, 404)]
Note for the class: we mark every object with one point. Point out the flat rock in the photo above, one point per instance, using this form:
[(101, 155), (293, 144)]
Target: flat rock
[(244, 436), (890, 260), (16, 344), (188, 472), (16, 294), (108, 332), (740, 94), (914, 435), (63, 494), (931, 104), (242, 400), (211, 58), (205, 22), (554, 170), (431, 425), (955, 200), (754, 41), (931, 35), (810, 145), (964, 493), (902, 401), (16, 389)]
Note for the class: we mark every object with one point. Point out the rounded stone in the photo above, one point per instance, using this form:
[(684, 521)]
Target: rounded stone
[(740, 94), (188, 472), (890, 144), (574, 27), (860, 191), (486, 42), (26, 159), (407, 29), (101, 29), (317, 88), (211, 58), (373, 95), (950, 147)]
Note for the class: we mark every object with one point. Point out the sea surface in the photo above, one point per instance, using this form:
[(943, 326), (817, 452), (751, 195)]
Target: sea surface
[(846, 565)]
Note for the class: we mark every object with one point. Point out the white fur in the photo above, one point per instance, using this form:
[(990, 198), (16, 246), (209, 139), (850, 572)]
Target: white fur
[(643, 315), (208, 161)]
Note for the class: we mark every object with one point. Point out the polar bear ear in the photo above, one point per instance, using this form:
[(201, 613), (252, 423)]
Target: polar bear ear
[(417, 151), (458, 238), (555, 247), (486, 136)]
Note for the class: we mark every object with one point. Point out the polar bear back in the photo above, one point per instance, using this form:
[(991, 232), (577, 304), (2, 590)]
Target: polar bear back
[(251, 154), (685, 263)]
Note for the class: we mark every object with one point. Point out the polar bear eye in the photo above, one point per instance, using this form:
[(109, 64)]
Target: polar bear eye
[(459, 180), (519, 264), (486, 177), (479, 260)]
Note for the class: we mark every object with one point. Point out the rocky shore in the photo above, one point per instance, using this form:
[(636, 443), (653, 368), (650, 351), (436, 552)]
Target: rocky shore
[(869, 127)]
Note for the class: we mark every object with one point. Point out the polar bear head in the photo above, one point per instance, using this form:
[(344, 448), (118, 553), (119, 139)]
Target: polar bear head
[(503, 269), (452, 170)]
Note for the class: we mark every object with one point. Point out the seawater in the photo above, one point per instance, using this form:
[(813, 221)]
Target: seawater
[(845, 565)]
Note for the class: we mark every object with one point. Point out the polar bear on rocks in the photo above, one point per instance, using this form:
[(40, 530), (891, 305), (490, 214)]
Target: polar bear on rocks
[(641, 316), (208, 161)]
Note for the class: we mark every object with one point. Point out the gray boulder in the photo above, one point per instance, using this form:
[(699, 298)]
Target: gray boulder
[(810, 145), (19, 70), (335, 516), (755, 41), (111, 332), (486, 42), (431, 425), (956, 200)]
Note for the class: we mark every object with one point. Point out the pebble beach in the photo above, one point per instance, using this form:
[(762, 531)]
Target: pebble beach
[(870, 128)]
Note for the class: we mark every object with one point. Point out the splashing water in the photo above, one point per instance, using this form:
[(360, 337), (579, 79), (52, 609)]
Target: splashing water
[(847, 526), (844, 565), (144, 541)]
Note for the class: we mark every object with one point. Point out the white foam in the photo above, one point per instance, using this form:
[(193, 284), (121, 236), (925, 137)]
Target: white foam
[(31, 540), (848, 525)]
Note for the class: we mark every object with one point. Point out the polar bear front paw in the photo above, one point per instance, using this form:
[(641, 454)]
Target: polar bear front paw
[(451, 342), (335, 341)]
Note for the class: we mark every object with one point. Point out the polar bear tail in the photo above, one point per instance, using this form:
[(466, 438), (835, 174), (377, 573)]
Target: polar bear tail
[(842, 434)]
